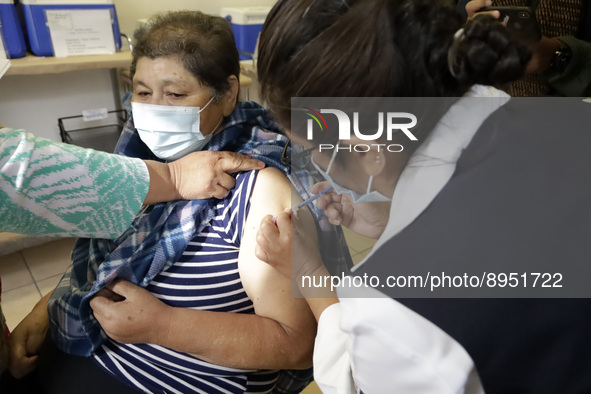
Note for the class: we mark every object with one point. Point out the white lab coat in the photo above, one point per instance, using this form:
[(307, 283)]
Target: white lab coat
[(377, 345)]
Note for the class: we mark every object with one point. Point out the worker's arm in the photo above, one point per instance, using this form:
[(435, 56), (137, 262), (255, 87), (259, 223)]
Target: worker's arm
[(50, 188)]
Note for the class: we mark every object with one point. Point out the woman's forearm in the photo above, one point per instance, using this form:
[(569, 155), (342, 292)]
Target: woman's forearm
[(39, 311), (234, 340), (131, 314)]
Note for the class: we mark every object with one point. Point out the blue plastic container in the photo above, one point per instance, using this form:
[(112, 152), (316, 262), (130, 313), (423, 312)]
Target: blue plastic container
[(247, 23), (35, 20), (11, 30)]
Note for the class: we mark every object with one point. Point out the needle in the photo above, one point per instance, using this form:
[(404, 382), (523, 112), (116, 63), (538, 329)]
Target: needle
[(307, 201)]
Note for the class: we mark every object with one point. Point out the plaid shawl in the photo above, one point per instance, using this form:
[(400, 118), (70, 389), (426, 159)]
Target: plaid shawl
[(159, 234)]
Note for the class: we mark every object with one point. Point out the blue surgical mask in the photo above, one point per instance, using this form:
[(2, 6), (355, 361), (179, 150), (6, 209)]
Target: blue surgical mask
[(368, 196), (170, 132)]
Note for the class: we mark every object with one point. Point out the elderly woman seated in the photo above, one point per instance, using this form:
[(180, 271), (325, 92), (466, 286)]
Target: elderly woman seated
[(162, 292)]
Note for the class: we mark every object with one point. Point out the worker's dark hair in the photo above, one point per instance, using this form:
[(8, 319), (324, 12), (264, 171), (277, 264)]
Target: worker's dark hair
[(379, 48)]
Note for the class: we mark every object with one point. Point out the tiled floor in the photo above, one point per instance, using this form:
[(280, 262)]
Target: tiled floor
[(359, 246), (312, 389), (29, 274)]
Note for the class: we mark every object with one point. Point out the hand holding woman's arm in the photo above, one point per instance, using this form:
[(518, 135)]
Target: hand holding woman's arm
[(109, 188), (198, 175)]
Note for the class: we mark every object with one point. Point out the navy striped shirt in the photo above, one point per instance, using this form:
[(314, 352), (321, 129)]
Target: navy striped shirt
[(206, 277)]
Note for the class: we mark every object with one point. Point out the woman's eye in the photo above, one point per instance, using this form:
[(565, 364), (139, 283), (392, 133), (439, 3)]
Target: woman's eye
[(176, 95), (143, 94)]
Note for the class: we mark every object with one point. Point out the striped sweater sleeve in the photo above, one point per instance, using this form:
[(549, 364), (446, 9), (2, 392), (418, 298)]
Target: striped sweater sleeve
[(49, 188)]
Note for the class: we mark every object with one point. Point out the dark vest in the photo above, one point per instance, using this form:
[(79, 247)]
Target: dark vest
[(521, 192)]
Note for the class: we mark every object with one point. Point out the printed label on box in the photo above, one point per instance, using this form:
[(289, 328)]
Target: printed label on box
[(80, 32), (95, 114)]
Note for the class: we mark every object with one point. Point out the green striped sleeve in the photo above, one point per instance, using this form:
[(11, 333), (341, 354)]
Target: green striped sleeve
[(49, 188)]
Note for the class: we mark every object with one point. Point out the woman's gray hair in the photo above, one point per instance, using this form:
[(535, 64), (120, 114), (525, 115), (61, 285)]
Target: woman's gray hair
[(203, 43)]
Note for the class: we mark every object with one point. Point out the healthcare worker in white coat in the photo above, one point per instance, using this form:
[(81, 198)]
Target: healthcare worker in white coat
[(488, 183)]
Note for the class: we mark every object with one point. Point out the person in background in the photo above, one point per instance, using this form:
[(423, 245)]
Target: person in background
[(55, 189), (176, 294), (490, 185), (561, 61)]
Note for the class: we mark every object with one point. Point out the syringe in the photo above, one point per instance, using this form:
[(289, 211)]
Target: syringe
[(311, 199), (307, 201)]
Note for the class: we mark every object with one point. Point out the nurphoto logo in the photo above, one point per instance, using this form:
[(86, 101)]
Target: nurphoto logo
[(388, 122)]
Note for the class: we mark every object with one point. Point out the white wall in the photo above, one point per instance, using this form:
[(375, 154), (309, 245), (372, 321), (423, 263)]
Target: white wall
[(35, 102), (129, 11)]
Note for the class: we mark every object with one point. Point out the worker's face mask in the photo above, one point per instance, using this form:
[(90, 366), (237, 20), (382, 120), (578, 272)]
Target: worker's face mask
[(170, 132), (368, 196)]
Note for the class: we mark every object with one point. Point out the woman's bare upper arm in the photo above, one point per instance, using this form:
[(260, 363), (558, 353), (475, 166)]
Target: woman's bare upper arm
[(267, 288)]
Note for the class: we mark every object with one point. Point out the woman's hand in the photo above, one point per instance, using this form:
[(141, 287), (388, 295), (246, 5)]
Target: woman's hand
[(366, 218), (25, 341), (131, 314)]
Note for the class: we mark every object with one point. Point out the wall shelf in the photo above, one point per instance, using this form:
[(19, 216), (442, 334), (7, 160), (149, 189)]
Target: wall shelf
[(35, 65), (38, 65)]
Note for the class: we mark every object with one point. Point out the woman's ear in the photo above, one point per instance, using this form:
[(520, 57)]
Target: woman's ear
[(373, 161), (231, 97)]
